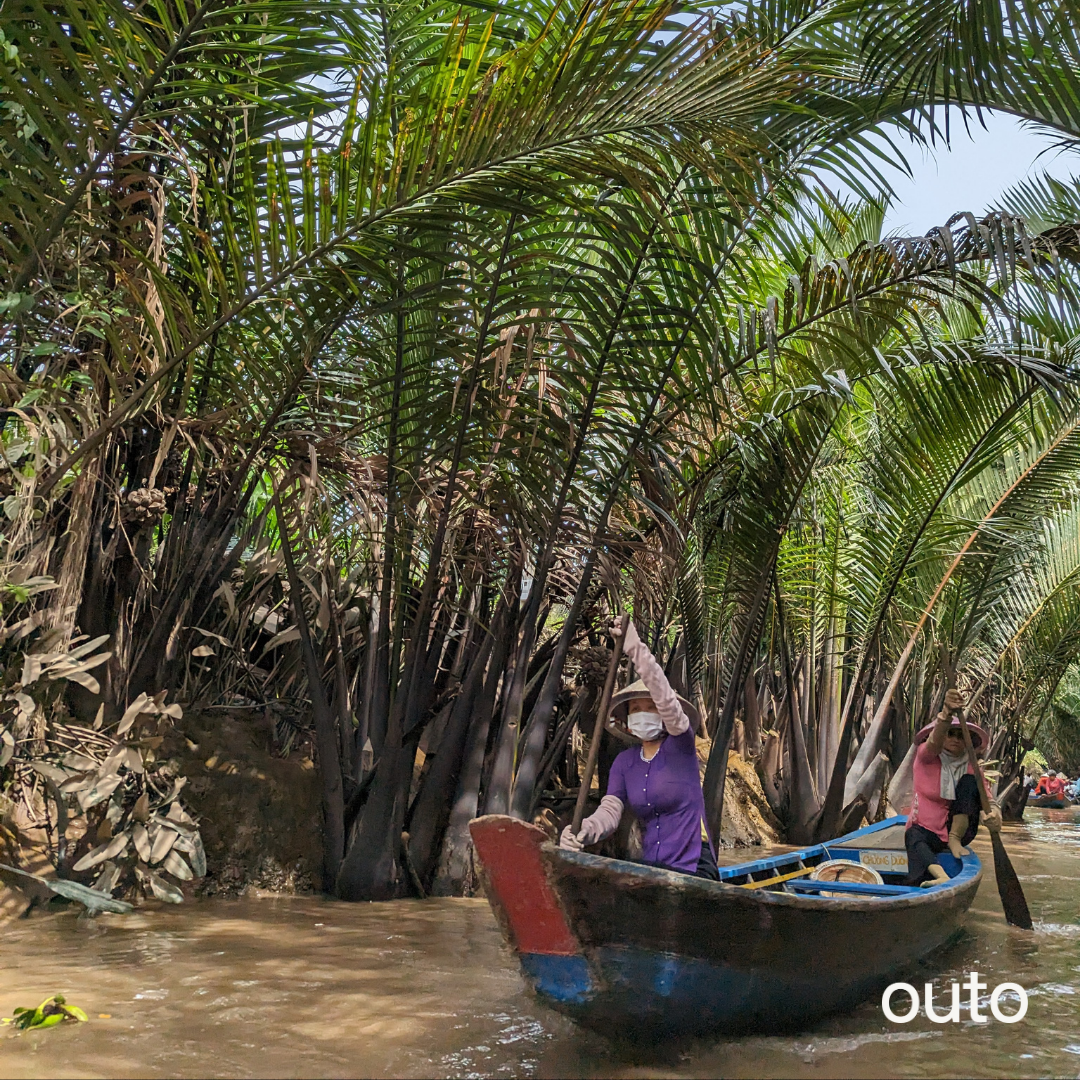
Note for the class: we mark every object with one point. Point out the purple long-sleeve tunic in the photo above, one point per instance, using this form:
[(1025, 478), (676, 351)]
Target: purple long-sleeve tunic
[(665, 796)]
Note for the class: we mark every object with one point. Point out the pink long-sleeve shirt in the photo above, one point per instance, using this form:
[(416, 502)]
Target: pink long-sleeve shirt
[(928, 808)]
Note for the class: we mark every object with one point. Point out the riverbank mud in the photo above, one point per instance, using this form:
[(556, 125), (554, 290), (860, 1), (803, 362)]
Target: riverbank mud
[(258, 812)]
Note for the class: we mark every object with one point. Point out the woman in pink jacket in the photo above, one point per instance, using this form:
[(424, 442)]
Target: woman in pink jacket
[(945, 810)]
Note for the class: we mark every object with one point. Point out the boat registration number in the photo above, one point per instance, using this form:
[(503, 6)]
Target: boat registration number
[(885, 862)]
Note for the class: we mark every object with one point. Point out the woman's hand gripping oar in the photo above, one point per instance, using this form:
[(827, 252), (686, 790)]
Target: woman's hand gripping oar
[(1013, 901), (598, 727)]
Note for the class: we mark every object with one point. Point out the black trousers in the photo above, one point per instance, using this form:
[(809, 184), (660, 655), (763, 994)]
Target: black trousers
[(924, 846), (706, 867)]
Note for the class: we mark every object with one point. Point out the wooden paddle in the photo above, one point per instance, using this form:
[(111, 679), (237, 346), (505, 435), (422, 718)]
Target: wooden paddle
[(1013, 901), (598, 728)]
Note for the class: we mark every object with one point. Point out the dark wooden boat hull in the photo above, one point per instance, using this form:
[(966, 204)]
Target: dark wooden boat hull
[(641, 952)]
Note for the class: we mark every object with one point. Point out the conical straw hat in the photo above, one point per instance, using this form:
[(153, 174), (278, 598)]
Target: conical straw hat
[(616, 722), (979, 738)]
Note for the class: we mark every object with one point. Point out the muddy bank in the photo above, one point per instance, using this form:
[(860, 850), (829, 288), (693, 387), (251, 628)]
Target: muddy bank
[(258, 812), (747, 820)]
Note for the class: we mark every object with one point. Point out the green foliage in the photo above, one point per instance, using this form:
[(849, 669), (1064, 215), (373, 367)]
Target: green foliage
[(1059, 735), (52, 1011)]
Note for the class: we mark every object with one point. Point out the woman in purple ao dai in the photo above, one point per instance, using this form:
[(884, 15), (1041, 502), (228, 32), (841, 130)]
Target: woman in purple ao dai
[(657, 777)]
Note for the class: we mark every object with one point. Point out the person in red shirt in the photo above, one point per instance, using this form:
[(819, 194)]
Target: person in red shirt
[(1042, 787), (945, 809)]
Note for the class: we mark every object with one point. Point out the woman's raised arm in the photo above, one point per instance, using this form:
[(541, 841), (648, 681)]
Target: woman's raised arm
[(675, 721)]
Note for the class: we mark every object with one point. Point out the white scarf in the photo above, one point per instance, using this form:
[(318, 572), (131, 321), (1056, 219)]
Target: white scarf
[(952, 768)]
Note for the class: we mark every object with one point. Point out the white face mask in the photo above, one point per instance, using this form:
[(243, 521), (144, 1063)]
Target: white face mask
[(647, 726)]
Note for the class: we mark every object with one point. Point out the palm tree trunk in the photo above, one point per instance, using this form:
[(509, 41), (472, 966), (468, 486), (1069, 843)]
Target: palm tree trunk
[(325, 730), (803, 800), (431, 809), (455, 862), (752, 724), (716, 768)]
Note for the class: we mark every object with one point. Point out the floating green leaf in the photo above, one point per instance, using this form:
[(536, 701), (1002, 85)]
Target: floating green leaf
[(52, 1011)]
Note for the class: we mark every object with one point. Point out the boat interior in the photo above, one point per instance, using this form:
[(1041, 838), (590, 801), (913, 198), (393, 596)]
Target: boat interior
[(879, 846)]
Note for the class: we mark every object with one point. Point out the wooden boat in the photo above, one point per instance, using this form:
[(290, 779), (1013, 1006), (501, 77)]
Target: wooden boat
[(1048, 802), (630, 949)]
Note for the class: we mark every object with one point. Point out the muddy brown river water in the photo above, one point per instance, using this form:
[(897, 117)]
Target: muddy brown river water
[(309, 987)]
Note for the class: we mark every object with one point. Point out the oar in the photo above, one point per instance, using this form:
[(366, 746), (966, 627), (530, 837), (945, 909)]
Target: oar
[(598, 729), (1013, 901)]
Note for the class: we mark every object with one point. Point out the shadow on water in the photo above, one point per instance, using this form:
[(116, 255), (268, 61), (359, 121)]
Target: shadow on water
[(311, 987)]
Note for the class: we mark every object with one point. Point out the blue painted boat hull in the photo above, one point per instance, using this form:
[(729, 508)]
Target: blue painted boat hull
[(643, 994)]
